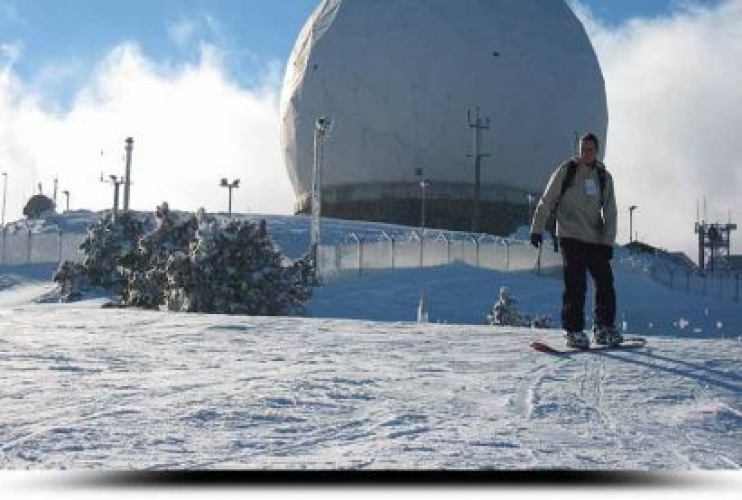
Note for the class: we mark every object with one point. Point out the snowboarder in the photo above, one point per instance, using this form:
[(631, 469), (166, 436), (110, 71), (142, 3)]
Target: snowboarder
[(505, 311), (580, 193)]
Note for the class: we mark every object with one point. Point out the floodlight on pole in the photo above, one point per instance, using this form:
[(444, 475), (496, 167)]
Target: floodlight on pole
[(323, 127), (424, 185), (116, 181), (230, 186)]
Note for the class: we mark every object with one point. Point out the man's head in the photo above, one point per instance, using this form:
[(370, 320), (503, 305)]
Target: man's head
[(589, 147)]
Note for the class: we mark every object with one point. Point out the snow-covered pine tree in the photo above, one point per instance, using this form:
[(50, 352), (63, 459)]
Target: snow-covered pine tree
[(145, 267), (191, 263), (233, 267), (72, 279), (505, 311), (107, 246)]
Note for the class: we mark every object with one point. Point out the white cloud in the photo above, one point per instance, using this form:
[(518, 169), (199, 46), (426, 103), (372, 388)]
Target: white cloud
[(182, 32), (191, 127), (10, 52), (673, 85)]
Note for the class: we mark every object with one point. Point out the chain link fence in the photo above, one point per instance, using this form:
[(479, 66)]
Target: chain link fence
[(355, 256), (720, 285), (28, 247)]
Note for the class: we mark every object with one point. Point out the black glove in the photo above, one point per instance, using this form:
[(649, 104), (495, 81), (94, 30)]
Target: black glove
[(536, 239), (608, 252)]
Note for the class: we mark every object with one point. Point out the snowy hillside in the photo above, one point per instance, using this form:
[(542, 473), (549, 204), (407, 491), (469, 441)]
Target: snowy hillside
[(360, 385)]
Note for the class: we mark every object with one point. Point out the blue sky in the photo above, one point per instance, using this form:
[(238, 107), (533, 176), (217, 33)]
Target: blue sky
[(78, 76), (78, 33)]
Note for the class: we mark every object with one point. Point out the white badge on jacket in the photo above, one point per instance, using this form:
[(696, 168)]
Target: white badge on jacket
[(591, 188)]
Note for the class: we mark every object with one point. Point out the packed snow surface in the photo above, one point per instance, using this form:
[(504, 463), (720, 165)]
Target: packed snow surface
[(358, 384)]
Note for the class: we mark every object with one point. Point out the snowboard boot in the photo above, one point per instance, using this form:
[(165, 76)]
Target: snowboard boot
[(577, 340), (607, 335)]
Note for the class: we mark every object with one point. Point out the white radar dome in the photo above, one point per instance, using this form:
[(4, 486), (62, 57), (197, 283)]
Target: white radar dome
[(409, 84)]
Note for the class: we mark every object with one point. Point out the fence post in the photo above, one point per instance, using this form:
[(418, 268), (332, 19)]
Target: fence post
[(338, 260), (60, 247), (507, 255), (360, 256), (394, 253), (28, 248), (476, 244), (421, 251), (5, 236)]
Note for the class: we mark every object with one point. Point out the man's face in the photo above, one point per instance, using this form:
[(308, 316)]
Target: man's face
[(588, 152)]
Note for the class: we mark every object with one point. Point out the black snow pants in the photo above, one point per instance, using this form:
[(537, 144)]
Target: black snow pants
[(580, 258)]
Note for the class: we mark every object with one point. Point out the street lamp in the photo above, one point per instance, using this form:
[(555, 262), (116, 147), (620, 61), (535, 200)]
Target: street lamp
[(66, 194), (322, 128), (116, 181), (631, 222), (230, 185), (424, 185)]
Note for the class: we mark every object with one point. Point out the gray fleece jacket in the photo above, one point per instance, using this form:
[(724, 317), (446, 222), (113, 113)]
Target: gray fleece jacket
[(580, 214)]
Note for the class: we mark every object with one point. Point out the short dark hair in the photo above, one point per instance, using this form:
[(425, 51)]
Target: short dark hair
[(592, 138)]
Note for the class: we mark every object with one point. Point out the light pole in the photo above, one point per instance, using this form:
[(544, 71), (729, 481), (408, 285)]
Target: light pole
[(322, 128), (424, 185), (230, 185), (116, 181), (66, 194), (5, 194), (631, 222), (127, 179)]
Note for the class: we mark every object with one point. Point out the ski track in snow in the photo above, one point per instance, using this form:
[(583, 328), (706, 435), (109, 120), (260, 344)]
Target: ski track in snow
[(90, 388)]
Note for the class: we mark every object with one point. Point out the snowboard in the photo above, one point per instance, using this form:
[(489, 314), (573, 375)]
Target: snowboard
[(628, 343)]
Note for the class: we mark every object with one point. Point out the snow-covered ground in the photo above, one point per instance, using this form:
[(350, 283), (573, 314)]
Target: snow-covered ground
[(358, 384)]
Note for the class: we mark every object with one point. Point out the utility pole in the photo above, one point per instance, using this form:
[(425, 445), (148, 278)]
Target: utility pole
[(66, 194), (127, 178), (230, 185), (477, 124)]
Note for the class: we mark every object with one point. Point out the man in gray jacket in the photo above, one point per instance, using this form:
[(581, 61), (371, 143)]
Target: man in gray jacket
[(581, 194)]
